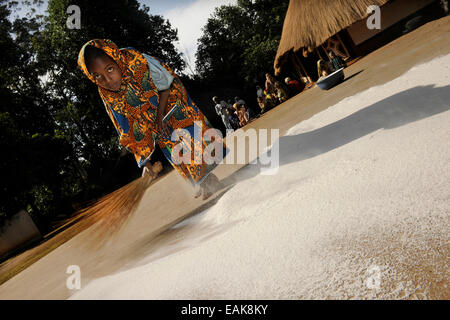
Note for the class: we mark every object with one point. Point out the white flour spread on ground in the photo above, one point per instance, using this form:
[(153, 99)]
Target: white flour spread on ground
[(358, 209)]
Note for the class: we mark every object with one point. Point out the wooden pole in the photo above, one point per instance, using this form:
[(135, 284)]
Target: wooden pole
[(297, 67), (318, 53), (301, 65), (326, 52), (343, 45)]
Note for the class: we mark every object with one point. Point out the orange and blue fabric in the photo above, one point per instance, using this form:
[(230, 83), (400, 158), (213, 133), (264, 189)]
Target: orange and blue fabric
[(133, 111)]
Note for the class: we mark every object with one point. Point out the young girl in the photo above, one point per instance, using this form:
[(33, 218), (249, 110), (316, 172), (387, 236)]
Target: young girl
[(146, 102)]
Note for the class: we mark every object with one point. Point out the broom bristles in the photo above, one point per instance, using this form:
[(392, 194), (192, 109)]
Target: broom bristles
[(110, 213)]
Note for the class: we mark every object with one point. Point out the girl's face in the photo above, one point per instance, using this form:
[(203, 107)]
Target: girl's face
[(106, 73)]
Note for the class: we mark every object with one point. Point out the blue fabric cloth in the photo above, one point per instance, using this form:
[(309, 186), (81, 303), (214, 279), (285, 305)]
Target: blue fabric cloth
[(123, 121), (160, 76)]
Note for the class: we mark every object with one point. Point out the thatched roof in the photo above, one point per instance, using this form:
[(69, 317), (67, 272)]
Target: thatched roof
[(309, 23)]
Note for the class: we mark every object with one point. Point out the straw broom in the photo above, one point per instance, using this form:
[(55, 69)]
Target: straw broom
[(108, 215)]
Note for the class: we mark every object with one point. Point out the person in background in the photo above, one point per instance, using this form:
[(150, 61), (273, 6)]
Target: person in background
[(259, 97), (242, 114), (322, 69), (232, 119), (261, 103), (221, 107), (295, 86), (333, 45), (259, 92), (270, 84), (267, 102), (280, 92), (248, 110), (239, 101), (336, 61), (307, 83)]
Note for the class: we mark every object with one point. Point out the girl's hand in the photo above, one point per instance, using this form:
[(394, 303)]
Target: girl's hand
[(162, 126), (148, 169)]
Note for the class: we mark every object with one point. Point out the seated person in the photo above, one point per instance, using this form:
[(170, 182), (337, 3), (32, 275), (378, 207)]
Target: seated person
[(270, 84), (232, 119), (270, 100), (295, 86), (266, 102), (235, 108), (220, 108), (308, 84), (259, 92), (334, 45), (280, 93), (242, 115), (336, 61), (239, 101), (322, 69), (261, 102)]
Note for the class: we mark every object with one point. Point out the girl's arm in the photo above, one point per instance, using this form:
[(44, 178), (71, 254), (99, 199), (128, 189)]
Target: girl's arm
[(148, 169), (162, 78), (161, 125)]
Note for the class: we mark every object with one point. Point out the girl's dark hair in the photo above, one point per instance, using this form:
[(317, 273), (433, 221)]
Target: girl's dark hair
[(91, 53)]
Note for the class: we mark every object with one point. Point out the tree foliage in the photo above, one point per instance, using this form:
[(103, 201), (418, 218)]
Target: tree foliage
[(239, 42)]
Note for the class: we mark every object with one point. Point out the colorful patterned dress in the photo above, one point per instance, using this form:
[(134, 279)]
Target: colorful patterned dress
[(133, 111)]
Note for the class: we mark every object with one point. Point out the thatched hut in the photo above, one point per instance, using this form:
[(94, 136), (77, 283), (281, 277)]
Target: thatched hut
[(310, 24)]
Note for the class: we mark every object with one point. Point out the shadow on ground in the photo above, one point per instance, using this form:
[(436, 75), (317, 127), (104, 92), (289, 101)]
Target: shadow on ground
[(353, 75)]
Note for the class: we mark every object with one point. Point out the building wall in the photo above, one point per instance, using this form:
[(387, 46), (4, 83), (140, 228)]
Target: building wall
[(16, 232), (391, 13)]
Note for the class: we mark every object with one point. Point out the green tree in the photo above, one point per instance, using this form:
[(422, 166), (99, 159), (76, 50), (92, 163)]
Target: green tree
[(30, 168), (239, 42)]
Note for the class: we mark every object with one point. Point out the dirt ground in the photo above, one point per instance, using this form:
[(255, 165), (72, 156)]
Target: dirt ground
[(170, 200)]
